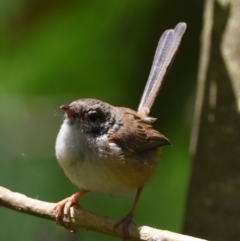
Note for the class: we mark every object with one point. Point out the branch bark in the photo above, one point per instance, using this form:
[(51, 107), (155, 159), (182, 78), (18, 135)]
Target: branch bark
[(84, 219)]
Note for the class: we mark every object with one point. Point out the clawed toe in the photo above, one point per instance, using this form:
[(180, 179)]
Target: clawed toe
[(66, 204), (124, 222)]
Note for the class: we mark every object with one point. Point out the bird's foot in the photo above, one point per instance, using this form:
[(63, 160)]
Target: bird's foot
[(125, 222), (66, 204)]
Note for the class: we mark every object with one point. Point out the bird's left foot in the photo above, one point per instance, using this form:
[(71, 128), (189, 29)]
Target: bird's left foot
[(66, 204)]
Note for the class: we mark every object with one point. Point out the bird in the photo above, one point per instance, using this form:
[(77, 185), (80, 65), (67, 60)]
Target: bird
[(114, 150)]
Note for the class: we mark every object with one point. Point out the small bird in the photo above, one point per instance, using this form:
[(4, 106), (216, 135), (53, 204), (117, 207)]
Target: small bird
[(114, 150)]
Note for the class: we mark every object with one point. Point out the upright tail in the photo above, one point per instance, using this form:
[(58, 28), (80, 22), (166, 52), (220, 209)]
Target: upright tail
[(166, 50)]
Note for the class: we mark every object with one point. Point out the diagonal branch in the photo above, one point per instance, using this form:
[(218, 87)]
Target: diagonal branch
[(83, 219)]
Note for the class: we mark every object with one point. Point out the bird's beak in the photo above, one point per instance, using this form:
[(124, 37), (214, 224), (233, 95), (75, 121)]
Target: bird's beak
[(68, 110)]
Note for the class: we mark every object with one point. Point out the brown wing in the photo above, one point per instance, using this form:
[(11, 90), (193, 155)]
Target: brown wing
[(137, 134)]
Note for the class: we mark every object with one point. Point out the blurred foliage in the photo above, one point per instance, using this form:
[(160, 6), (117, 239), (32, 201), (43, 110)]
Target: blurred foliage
[(53, 52)]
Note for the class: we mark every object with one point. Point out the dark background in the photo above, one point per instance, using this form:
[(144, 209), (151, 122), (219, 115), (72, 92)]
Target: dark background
[(53, 52)]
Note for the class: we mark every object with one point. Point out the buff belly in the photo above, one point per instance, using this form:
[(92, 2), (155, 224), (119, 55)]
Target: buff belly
[(100, 170)]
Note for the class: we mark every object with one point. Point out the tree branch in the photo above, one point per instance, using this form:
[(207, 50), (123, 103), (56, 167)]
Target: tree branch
[(83, 219)]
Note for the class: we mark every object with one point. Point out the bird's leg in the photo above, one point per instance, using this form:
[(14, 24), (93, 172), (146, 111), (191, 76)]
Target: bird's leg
[(125, 222), (67, 203)]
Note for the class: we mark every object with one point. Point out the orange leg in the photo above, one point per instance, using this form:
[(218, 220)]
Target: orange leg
[(67, 203), (125, 222)]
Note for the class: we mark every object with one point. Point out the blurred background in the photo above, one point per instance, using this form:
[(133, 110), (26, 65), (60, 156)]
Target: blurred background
[(53, 52)]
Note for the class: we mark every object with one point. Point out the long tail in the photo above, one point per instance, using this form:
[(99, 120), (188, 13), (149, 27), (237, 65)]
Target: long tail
[(166, 50)]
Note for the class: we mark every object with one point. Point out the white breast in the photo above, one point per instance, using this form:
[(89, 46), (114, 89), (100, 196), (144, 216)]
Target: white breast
[(87, 164)]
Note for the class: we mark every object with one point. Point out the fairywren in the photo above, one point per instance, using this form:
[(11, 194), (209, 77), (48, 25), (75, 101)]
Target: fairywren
[(114, 150)]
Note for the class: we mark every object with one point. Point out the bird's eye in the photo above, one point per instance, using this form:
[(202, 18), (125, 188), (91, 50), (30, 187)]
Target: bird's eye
[(92, 116)]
